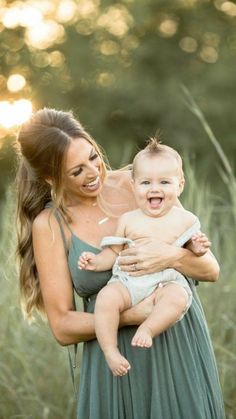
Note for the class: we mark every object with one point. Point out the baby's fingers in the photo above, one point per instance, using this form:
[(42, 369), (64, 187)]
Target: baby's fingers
[(206, 243), (82, 264)]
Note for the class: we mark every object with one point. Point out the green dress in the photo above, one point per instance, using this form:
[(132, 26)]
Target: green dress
[(176, 378)]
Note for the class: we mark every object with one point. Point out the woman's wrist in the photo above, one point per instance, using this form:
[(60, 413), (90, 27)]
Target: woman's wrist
[(202, 268), (177, 257)]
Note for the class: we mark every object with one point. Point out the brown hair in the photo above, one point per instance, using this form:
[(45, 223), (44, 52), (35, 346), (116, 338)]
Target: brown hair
[(42, 144), (153, 148)]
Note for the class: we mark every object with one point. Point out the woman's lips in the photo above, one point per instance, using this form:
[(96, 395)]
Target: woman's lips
[(93, 185)]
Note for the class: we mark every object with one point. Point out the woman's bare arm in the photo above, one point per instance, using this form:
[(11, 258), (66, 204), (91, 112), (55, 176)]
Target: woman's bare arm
[(68, 326), (203, 268)]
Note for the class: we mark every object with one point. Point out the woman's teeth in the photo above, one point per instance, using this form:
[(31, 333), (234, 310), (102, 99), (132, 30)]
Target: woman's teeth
[(93, 183)]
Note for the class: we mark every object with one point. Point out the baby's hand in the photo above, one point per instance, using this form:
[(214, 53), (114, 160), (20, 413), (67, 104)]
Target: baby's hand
[(199, 244), (87, 261)]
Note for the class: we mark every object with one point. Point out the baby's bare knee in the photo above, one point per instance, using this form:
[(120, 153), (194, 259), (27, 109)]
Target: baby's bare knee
[(176, 296), (109, 296)]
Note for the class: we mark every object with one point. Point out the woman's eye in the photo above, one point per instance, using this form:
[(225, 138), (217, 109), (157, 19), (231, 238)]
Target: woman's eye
[(77, 172), (94, 156)]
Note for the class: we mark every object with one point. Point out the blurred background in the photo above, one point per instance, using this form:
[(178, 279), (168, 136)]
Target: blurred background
[(126, 69)]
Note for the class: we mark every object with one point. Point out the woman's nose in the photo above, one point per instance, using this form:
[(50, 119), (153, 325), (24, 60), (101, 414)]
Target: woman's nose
[(93, 170)]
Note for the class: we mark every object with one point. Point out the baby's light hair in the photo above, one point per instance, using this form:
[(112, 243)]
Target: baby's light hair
[(153, 148)]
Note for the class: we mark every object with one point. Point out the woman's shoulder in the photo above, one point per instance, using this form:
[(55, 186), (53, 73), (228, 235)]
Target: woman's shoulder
[(121, 177), (43, 222), (42, 217)]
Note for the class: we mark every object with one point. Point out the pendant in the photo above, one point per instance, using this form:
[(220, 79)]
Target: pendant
[(103, 220)]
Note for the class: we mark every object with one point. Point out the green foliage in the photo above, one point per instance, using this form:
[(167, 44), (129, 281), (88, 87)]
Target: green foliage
[(119, 67)]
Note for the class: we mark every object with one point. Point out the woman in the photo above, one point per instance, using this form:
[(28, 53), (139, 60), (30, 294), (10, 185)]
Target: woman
[(67, 202)]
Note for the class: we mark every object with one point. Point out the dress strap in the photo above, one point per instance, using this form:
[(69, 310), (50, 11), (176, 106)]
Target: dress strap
[(59, 219)]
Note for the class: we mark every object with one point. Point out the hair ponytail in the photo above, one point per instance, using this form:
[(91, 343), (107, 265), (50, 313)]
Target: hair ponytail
[(32, 198)]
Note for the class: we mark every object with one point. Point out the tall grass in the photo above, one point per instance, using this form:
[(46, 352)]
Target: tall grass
[(218, 216), (35, 380)]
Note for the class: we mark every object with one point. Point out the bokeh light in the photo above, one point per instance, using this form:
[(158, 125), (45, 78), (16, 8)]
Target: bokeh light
[(16, 82), (14, 113), (168, 27), (188, 44), (45, 34), (66, 11), (116, 20)]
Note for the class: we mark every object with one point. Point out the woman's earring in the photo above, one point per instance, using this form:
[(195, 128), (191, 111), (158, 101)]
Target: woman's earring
[(53, 195)]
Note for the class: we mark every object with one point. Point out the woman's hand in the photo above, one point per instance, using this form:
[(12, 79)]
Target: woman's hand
[(147, 257), (152, 256), (135, 315)]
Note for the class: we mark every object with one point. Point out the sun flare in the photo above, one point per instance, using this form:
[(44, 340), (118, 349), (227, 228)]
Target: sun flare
[(14, 113)]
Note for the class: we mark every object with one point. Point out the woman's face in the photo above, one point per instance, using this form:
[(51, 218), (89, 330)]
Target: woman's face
[(83, 170)]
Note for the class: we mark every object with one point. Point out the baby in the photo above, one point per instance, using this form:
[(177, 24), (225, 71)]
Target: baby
[(158, 181)]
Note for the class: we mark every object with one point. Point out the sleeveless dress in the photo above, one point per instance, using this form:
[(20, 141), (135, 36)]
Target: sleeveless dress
[(176, 378)]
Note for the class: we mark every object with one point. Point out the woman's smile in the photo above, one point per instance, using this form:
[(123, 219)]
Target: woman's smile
[(92, 185)]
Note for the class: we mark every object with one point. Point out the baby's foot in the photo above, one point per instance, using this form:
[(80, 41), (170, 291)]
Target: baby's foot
[(117, 363), (142, 337)]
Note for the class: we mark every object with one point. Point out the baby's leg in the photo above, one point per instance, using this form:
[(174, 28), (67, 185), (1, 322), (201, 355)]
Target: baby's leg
[(111, 301), (170, 303)]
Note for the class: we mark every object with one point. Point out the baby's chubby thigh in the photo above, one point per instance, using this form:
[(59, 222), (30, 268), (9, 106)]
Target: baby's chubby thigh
[(114, 295)]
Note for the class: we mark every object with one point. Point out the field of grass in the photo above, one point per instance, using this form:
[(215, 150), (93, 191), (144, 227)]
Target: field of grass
[(35, 380)]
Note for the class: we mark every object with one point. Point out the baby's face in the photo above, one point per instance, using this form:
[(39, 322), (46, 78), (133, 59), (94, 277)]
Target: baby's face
[(157, 184)]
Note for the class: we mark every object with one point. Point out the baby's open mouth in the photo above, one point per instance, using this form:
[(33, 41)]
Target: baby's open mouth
[(155, 202)]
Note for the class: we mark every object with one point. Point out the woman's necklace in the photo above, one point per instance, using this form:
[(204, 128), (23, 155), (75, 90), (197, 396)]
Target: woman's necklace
[(89, 219)]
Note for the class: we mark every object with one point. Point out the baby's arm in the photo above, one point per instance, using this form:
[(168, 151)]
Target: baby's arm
[(104, 260), (199, 244)]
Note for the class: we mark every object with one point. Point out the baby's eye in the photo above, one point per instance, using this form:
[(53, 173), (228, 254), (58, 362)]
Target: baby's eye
[(165, 182), (145, 182)]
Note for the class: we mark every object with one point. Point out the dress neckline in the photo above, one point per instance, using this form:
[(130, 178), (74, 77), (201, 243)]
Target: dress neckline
[(73, 235)]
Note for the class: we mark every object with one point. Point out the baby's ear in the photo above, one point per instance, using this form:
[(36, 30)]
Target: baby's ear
[(181, 186)]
